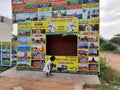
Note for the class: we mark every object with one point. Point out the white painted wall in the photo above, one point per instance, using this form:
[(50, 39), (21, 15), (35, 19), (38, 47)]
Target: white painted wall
[(5, 32)]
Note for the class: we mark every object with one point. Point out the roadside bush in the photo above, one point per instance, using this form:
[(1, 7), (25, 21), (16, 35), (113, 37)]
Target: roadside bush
[(108, 46)]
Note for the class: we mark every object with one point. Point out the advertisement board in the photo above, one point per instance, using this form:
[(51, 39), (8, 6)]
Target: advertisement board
[(45, 27)]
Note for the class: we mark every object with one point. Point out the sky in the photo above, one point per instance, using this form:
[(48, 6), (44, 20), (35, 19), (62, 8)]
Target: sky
[(109, 16)]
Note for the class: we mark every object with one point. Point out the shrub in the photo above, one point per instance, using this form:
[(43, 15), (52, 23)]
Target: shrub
[(108, 46)]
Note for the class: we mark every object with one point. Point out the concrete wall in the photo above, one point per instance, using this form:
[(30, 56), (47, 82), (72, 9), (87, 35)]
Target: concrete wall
[(5, 32)]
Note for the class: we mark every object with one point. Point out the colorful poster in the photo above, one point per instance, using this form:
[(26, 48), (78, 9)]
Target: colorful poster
[(14, 53), (18, 9), (23, 64), (33, 16), (89, 29), (30, 1), (75, 13), (37, 64), (19, 17), (44, 15), (58, 8), (90, 1), (16, 2), (38, 25), (44, 7), (73, 2), (59, 13), (6, 58), (44, 1), (38, 42), (24, 41), (30, 6), (89, 21), (23, 33), (60, 3), (23, 26), (76, 6), (23, 55), (62, 25), (89, 13), (91, 5)]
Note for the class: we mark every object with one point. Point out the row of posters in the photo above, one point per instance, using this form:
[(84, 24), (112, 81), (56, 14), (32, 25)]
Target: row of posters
[(8, 53), (31, 45), (88, 45), (29, 10), (5, 54)]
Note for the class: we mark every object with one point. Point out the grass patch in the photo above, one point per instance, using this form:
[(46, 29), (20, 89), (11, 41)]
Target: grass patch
[(109, 79), (3, 68)]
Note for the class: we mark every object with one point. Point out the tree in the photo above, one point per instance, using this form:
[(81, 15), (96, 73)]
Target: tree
[(108, 46), (14, 38), (102, 40), (116, 40)]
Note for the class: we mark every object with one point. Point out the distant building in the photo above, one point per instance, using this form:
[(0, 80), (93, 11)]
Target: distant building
[(5, 20), (6, 28)]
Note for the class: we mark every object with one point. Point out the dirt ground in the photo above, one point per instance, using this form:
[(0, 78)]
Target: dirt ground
[(113, 60), (8, 84)]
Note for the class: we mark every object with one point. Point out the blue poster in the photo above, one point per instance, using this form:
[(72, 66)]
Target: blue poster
[(90, 1)]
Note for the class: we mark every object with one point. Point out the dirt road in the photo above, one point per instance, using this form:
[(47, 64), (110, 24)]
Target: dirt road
[(8, 84), (113, 60)]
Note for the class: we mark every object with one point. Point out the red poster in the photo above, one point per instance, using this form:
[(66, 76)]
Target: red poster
[(61, 3), (31, 10), (18, 8), (77, 6)]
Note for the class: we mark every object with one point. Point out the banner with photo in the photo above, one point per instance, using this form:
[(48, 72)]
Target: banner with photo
[(67, 64), (62, 25)]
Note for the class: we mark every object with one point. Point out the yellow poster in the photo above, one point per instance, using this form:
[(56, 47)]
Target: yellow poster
[(89, 21), (38, 25), (64, 64), (91, 5), (24, 25), (44, 9), (62, 25)]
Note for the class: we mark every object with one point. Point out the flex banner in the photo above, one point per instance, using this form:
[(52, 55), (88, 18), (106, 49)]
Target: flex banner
[(65, 64), (62, 25)]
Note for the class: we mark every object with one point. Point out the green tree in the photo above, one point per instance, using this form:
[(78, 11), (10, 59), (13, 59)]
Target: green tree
[(102, 40), (108, 46), (14, 38), (116, 40)]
